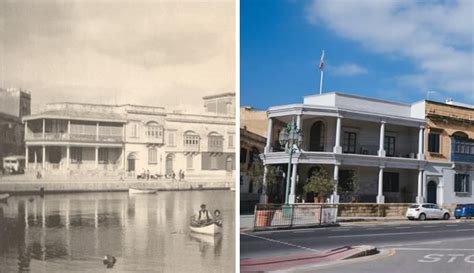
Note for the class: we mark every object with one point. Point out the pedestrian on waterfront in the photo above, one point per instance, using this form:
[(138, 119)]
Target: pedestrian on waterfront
[(173, 176), (147, 174), (180, 173)]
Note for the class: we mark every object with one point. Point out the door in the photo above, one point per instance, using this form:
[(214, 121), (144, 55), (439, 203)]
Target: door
[(431, 192), (316, 142), (229, 164), (169, 163), (131, 165)]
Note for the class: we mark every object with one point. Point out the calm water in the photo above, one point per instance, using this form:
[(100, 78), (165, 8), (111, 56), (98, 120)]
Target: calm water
[(146, 233)]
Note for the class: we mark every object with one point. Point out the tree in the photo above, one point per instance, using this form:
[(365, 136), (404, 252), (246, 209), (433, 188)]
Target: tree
[(320, 183), (256, 173), (348, 185)]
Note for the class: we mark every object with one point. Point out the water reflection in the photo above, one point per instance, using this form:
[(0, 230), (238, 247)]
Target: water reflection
[(147, 233)]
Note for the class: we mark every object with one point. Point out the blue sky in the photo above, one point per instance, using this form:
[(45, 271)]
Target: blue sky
[(394, 49)]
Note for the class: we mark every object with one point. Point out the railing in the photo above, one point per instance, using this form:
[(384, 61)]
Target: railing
[(76, 137), (268, 216), (216, 149), (191, 148)]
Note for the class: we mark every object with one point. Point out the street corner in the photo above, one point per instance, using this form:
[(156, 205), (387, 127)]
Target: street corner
[(306, 261)]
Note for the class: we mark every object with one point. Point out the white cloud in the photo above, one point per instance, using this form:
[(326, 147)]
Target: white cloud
[(349, 69), (437, 36)]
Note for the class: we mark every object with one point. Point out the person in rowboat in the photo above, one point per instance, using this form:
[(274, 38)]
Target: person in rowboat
[(204, 217)]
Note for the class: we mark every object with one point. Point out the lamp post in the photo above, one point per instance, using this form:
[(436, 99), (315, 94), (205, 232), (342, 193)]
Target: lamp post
[(291, 137)]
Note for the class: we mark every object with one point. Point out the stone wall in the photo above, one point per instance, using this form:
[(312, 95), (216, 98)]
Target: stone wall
[(372, 210)]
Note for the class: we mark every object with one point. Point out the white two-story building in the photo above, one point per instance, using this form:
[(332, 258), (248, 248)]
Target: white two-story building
[(379, 143)]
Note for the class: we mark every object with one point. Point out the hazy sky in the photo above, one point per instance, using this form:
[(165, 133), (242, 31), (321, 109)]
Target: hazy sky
[(152, 52)]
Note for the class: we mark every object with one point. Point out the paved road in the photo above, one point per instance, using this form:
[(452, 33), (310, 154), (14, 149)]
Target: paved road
[(448, 244)]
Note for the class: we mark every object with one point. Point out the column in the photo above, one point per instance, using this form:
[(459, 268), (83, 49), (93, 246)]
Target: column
[(380, 197), (419, 197), (420, 143), (27, 157), (268, 147), (44, 127), (298, 122), (68, 129), (335, 195), (382, 139), (36, 159), (263, 196), (97, 132), (43, 157), (26, 129), (96, 157), (294, 174), (68, 156), (26, 215), (337, 147), (123, 158)]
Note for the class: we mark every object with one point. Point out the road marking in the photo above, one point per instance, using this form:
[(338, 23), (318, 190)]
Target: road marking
[(428, 226), (402, 227), (434, 249), (341, 229), (281, 242), (468, 229), (374, 228), (451, 225), (379, 234)]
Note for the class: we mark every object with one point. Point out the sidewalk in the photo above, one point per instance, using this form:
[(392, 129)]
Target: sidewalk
[(246, 221), (300, 261)]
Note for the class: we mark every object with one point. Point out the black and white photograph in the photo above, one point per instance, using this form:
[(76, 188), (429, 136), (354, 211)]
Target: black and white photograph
[(117, 136)]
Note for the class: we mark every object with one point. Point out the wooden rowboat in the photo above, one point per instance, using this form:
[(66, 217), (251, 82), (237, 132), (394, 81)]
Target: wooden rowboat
[(140, 191), (212, 228), (4, 196)]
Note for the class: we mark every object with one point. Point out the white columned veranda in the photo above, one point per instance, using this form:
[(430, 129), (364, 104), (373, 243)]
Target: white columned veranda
[(44, 129), (337, 146), (381, 151), (380, 197), (420, 143), (420, 197), (269, 136)]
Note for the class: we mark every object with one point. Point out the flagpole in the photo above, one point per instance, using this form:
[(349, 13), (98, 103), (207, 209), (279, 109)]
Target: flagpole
[(321, 68), (321, 83)]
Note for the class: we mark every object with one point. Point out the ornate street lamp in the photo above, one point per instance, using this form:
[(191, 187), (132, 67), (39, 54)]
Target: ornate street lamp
[(291, 138)]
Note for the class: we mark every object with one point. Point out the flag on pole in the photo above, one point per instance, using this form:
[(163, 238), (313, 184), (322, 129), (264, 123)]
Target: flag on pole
[(321, 63)]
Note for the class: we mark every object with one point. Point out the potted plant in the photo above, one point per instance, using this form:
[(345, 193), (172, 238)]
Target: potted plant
[(320, 184)]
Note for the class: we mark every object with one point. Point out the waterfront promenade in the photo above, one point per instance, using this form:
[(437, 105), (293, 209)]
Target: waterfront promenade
[(25, 184)]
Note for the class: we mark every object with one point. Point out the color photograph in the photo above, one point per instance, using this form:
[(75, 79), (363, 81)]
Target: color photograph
[(356, 136)]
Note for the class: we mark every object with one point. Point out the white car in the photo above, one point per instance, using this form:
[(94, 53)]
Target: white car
[(427, 211)]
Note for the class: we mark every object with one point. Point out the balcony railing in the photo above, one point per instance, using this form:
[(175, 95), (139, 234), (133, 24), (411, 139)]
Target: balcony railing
[(74, 137), (216, 149), (191, 148)]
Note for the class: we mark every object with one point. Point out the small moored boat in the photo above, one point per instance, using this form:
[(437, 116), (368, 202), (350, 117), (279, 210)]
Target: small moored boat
[(212, 228), (139, 191), (4, 196)]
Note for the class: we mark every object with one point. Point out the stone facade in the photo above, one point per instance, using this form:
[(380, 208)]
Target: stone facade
[(133, 139)]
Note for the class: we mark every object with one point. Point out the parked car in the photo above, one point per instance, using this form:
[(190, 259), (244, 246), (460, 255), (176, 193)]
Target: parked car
[(464, 210), (426, 211), (14, 164)]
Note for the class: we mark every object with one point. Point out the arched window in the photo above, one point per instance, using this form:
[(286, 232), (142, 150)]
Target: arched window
[(460, 134), (154, 130), (317, 137), (215, 141), (190, 138)]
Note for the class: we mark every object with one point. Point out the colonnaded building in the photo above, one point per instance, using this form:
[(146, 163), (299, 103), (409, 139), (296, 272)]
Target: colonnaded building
[(88, 139), (398, 153)]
